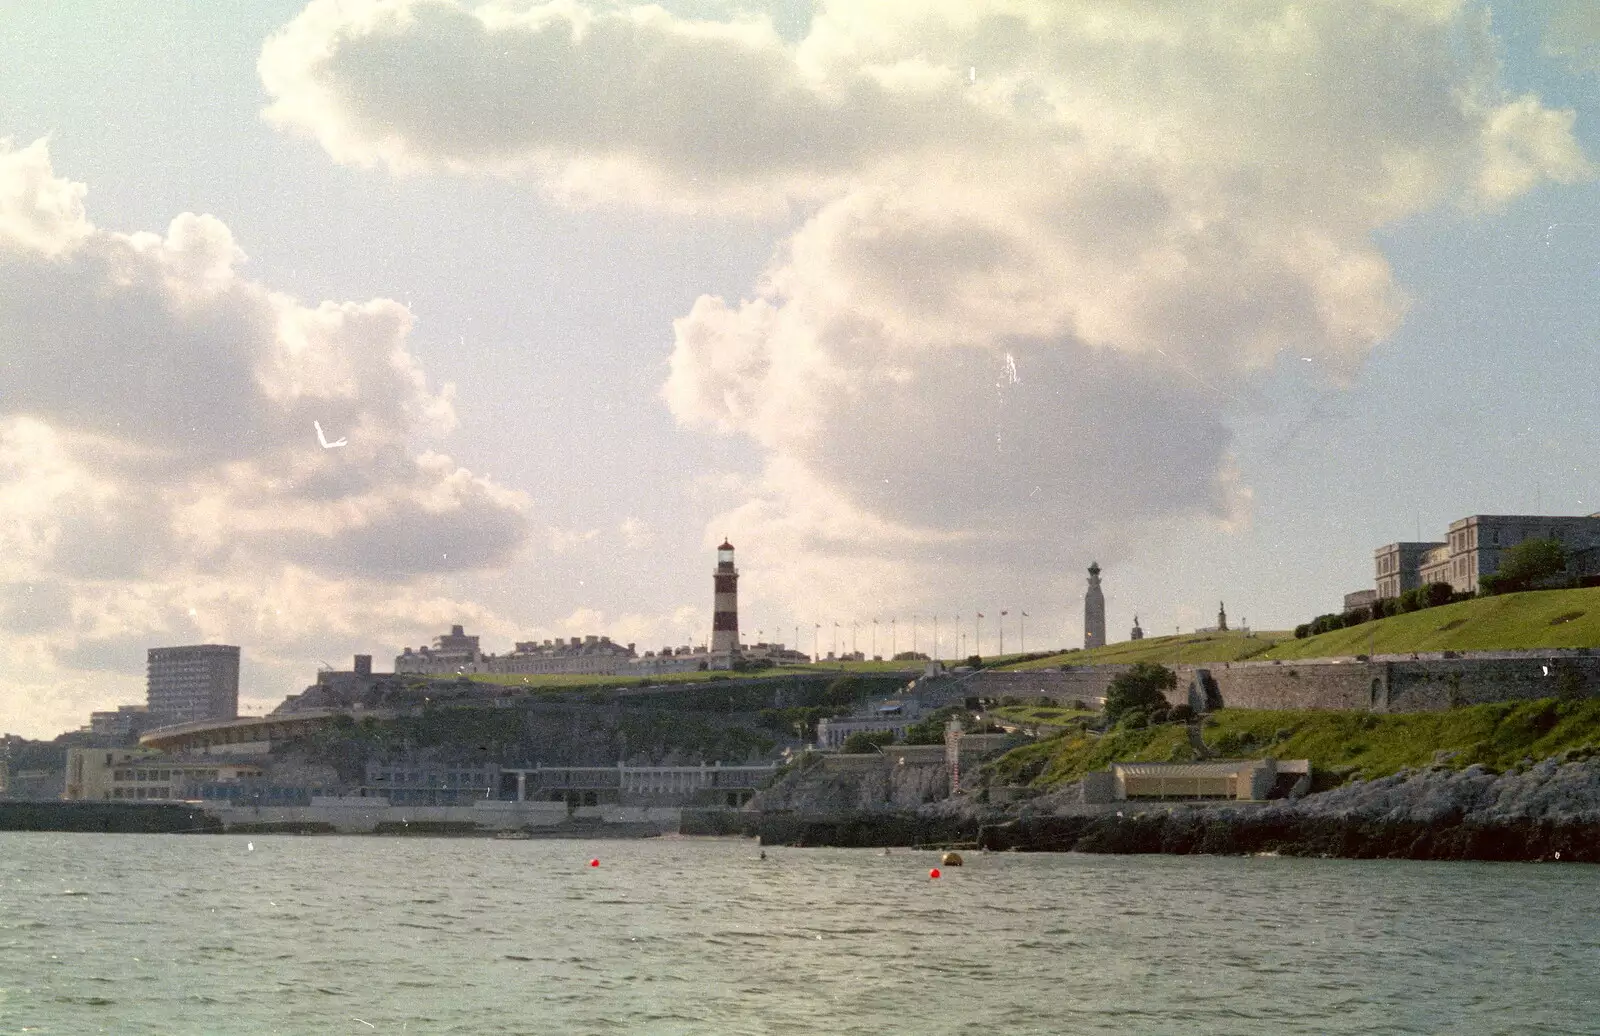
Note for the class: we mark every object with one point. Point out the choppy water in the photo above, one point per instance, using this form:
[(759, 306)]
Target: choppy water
[(171, 934)]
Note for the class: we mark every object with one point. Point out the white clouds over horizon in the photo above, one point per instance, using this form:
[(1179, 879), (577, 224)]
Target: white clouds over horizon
[(1040, 251), (160, 475)]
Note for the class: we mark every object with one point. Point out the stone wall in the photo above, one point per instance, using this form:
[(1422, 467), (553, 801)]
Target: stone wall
[(1431, 685), (1390, 683), (1086, 683)]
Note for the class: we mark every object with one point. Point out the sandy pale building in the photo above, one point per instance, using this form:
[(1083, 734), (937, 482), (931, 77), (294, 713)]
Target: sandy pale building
[(1475, 546)]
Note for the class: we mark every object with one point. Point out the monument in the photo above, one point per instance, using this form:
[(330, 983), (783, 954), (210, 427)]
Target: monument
[(1094, 610)]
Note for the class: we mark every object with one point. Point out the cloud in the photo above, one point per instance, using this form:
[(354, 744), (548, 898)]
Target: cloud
[(159, 468), (1040, 252), (628, 102), (562, 541), (636, 534)]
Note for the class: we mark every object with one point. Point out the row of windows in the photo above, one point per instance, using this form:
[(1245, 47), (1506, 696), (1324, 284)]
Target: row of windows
[(162, 775), (436, 778), (140, 793)]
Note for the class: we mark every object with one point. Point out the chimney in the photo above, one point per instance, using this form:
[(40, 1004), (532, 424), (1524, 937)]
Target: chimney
[(363, 665)]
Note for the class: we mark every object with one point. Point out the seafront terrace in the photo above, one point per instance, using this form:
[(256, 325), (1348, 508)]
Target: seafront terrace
[(243, 736), (595, 783)]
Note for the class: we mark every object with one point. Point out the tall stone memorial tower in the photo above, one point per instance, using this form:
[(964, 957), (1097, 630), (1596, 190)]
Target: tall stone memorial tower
[(725, 603), (1094, 610)]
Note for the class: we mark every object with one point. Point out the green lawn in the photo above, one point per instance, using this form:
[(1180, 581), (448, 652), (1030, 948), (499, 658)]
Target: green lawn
[(1039, 715), (1339, 744), (1188, 647), (1537, 619)]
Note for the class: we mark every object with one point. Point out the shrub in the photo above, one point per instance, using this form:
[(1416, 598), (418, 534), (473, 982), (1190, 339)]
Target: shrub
[(1435, 594), (1302, 631), (930, 729), (1139, 688), (1409, 601), (863, 741), (1526, 565), (1327, 624), (1181, 714)]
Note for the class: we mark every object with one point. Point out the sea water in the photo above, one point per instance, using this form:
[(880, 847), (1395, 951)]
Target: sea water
[(282, 934)]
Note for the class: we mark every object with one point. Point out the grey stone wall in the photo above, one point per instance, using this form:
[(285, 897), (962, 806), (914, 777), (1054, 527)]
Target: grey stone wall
[(1086, 683), (1389, 683)]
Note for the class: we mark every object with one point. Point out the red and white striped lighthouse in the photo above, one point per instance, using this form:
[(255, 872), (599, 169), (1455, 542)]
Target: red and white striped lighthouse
[(725, 603)]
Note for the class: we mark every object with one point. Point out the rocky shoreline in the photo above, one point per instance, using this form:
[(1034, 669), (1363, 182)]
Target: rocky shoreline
[(1545, 811)]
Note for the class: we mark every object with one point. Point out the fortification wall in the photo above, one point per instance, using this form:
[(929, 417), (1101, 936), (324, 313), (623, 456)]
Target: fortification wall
[(1388, 684), (1440, 684), (1291, 685), (1077, 683)]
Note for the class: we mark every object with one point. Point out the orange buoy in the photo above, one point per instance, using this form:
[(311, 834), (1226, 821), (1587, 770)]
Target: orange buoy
[(934, 873), (594, 863)]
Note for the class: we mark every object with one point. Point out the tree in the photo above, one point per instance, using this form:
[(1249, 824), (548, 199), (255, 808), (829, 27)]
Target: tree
[(1435, 594), (862, 741), (930, 729), (1525, 565), (1139, 690)]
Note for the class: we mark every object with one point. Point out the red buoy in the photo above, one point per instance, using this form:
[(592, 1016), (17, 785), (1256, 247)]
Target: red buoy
[(594, 863), (934, 873)]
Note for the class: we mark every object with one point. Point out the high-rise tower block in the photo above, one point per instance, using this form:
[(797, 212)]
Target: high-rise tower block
[(1094, 610), (725, 603)]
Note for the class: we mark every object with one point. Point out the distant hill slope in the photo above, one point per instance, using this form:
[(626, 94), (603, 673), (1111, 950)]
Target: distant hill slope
[(1188, 647), (1537, 619), (1339, 744)]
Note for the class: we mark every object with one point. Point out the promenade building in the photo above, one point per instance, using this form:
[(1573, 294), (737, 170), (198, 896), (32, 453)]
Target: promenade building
[(1476, 545), (416, 783), (141, 774), (193, 683)]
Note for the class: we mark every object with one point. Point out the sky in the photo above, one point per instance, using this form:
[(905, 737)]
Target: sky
[(923, 305)]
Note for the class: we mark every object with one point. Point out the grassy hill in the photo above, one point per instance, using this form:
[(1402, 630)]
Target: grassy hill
[(1538, 619), (1188, 647), (1339, 744)]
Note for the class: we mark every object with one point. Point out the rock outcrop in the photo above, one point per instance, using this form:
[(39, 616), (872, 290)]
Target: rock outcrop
[(850, 784), (1546, 811)]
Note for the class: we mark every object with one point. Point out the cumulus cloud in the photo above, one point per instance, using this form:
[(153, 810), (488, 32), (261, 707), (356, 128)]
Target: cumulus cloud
[(1044, 249), (159, 468)]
